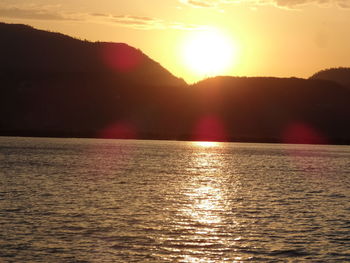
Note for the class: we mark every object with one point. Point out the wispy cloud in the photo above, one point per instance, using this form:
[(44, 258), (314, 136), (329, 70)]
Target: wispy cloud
[(291, 4), (298, 3), (54, 13), (136, 22), (36, 12), (141, 22), (201, 3), (30, 12)]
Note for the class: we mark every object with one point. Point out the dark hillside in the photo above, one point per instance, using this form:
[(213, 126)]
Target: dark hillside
[(55, 85), (339, 75), (52, 84), (268, 108)]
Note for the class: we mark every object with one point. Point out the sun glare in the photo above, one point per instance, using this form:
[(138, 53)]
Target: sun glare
[(206, 144), (209, 53)]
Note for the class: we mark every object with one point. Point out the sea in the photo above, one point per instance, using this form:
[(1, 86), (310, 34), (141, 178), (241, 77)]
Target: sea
[(95, 200)]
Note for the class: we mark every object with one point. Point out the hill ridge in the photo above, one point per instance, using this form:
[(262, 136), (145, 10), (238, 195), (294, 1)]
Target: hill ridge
[(54, 85)]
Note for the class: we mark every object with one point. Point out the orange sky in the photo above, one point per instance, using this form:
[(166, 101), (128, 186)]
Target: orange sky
[(270, 37)]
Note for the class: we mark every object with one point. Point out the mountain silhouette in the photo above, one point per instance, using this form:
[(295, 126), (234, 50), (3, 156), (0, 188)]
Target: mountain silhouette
[(340, 75), (55, 85), (25, 49), (287, 110)]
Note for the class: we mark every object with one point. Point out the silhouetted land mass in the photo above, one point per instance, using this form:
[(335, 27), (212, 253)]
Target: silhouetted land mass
[(340, 75), (279, 109), (55, 85)]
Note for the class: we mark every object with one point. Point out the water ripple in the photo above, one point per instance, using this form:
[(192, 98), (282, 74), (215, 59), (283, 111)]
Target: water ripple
[(87, 201)]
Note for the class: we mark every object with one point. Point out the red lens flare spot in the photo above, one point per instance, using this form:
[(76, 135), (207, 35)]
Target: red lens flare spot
[(210, 128), (120, 130), (121, 57), (302, 133)]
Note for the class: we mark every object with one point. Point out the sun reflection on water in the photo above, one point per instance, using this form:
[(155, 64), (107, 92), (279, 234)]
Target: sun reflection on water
[(206, 144), (191, 259), (204, 207)]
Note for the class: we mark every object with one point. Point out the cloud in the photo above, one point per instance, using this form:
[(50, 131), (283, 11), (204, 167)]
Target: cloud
[(99, 14), (140, 22), (54, 13), (298, 3), (35, 13), (201, 3), (136, 22), (291, 4), (148, 23)]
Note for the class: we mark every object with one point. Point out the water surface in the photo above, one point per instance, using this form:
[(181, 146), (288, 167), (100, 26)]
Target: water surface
[(86, 200)]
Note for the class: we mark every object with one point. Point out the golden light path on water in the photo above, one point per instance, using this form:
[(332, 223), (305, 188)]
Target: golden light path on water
[(207, 204), (206, 144)]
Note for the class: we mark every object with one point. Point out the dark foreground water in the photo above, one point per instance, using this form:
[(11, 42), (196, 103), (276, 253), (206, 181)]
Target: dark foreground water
[(83, 200)]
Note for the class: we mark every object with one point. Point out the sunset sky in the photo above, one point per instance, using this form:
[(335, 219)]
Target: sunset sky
[(280, 38)]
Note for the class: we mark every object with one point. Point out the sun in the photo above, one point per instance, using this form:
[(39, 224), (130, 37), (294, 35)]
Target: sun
[(209, 53)]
